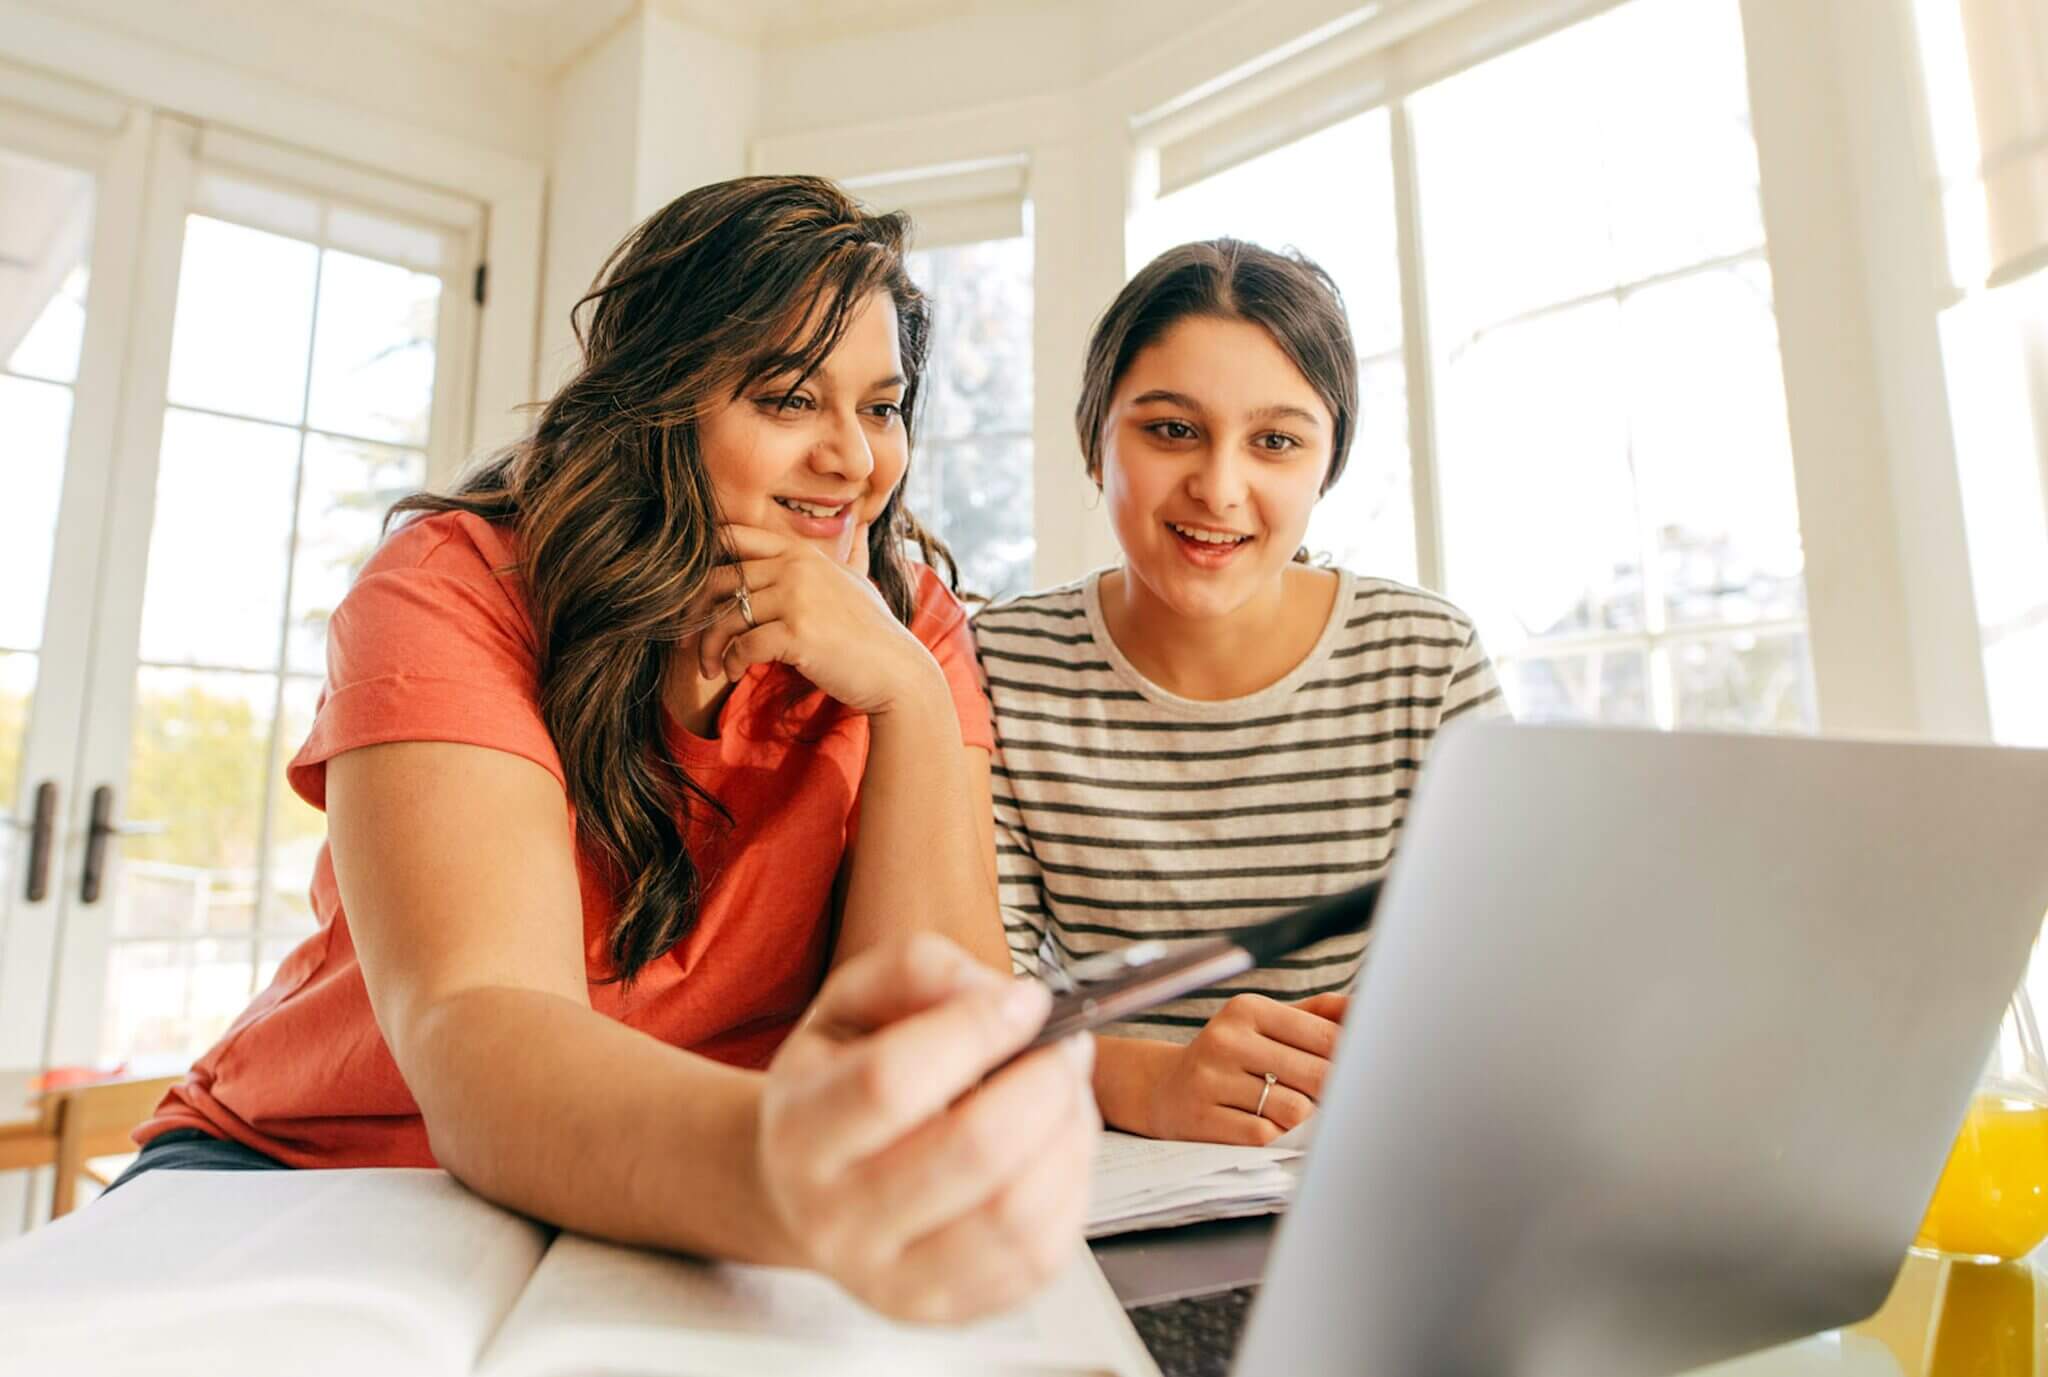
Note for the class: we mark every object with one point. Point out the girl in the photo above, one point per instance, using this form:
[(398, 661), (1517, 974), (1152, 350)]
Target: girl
[(624, 745), (1216, 730)]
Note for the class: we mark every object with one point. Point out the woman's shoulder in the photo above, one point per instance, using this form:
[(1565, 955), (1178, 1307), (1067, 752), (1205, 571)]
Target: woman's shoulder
[(1379, 607), (1050, 611), (454, 544), (443, 577)]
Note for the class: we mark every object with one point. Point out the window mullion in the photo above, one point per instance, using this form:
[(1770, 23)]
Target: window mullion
[(1424, 487)]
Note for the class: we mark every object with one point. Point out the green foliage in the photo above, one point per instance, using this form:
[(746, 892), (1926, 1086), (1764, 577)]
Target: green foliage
[(199, 765)]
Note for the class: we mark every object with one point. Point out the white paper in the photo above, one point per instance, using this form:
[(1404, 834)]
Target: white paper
[(596, 1307), (1145, 1183), (399, 1273), (345, 1272)]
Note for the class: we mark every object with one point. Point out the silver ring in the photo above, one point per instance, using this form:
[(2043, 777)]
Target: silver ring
[(745, 605), (1259, 1109)]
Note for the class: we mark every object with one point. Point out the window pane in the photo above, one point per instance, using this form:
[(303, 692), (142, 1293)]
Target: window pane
[(50, 346), (38, 423), (1609, 685), (1542, 536), (970, 471), (1367, 522), (979, 371), (201, 754), (1616, 149), (1744, 682), (218, 549), (17, 689), (297, 829), (346, 489), (244, 321), (172, 1000), (1713, 459), (1330, 195), (45, 241), (1996, 347), (373, 360), (977, 495), (2016, 678)]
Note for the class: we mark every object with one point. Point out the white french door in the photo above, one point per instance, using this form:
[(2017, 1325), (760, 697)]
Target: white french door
[(220, 362)]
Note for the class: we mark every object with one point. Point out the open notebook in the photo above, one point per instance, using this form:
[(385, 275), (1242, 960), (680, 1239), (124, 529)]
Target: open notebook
[(407, 1274)]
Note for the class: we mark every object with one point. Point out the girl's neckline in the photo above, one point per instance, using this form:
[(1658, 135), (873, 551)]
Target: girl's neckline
[(1279, 689)]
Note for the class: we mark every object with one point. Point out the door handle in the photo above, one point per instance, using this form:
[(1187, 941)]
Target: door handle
[(103, 827), (42, 836)]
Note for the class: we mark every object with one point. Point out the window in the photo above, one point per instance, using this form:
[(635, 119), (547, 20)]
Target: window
[(1329, 196), (305, 356), (1614, 466), (1990, 137), (970, 473)]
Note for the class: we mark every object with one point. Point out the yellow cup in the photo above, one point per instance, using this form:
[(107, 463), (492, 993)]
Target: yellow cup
[(1992, 1201)]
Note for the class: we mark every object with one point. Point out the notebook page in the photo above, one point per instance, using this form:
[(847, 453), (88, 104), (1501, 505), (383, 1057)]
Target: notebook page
[(392, 1272), (1150, 1183), (594, 1308)]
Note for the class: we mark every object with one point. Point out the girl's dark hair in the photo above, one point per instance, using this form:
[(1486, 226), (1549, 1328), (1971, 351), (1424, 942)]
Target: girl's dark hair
[(616, 522), (1285, 294)]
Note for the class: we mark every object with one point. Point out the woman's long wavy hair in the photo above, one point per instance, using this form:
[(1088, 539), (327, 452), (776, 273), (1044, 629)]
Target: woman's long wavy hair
[(616, 522)]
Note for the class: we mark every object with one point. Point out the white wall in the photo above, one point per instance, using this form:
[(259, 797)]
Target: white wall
[(467, 96), (593, 160), (700, 103), (655, 107)]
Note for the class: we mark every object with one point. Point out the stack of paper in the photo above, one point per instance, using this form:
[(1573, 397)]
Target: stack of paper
[(1143, 1183)]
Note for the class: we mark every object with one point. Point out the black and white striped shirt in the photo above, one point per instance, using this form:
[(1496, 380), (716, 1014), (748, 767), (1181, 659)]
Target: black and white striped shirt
[(1125, 813)]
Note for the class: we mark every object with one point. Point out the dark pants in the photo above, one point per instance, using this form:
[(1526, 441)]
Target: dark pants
[(187, 1149)]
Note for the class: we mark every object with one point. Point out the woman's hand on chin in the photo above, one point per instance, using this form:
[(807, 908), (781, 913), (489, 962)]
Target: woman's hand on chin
[(822, 618)]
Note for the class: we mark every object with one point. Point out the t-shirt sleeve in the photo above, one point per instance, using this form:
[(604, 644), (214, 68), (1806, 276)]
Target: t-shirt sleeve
[(436, 649), (941, 623), (1473, 688)]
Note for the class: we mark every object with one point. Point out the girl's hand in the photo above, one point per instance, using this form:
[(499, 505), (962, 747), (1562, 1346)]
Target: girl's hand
[(814, 614), (1211, 1089), (928, 1193)]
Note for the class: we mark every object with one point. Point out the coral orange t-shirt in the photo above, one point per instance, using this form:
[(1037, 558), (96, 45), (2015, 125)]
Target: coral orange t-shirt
[(435, 643)]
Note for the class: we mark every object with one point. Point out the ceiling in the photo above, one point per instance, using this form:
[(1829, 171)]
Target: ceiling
[(545, 35)]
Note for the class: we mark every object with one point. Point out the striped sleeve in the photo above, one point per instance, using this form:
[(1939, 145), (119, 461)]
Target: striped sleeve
[(1473, 686)]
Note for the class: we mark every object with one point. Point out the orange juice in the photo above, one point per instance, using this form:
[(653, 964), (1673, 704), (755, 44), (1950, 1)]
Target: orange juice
[(1993, 1197)]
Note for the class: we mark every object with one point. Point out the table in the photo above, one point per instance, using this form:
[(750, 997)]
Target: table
[(1942, 1319), (28, 1123)]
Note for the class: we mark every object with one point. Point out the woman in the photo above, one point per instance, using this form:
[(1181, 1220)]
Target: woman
[(1215, 731), (624, 744)]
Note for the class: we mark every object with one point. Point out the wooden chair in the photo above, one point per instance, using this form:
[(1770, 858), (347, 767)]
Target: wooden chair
[(81, 1122)]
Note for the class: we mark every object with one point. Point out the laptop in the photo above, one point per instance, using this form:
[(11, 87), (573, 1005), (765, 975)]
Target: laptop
[(1660, 1049)]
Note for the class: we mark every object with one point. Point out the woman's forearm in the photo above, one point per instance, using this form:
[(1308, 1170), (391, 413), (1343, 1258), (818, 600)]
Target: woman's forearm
[(554, 1110), (921, 862)]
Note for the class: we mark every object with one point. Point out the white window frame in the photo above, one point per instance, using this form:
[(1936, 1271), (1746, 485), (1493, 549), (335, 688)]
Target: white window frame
[(1852, 222)]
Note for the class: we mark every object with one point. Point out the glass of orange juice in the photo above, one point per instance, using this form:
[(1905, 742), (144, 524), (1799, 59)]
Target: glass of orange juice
[(1992, 1200)]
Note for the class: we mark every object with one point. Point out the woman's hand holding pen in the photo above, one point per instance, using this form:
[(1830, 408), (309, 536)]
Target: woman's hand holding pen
[(822, 618), (930, 1194), (1215, 1089)]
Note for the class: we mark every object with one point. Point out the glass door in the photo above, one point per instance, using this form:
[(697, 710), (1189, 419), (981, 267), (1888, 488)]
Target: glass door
[(70, 191), (319, 326)]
